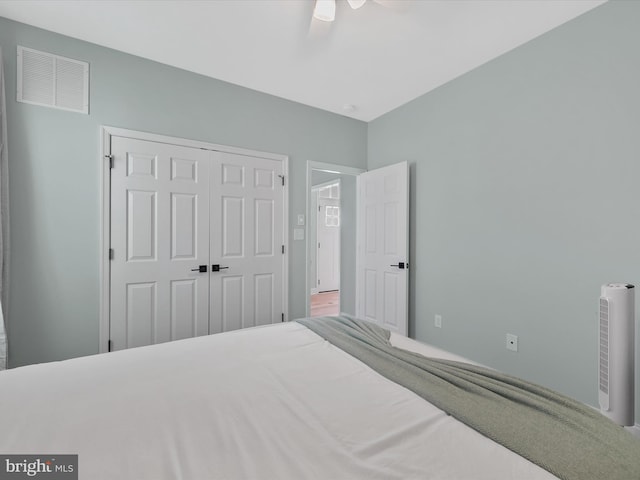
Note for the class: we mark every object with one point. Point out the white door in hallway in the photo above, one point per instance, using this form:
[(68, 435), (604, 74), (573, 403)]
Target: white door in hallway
[(328, 254), (383, 247), (159, 235), (197, 239)]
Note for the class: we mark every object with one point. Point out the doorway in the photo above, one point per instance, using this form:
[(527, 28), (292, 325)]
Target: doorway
[(374, 242), (325, 292), (331, 235)]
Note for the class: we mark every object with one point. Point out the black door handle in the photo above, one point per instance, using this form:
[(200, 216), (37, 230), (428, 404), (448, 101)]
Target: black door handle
[(400, 265), (217, 268), (201, 269)]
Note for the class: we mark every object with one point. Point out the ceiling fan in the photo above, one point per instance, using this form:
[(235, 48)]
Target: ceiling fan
[(325, 10)]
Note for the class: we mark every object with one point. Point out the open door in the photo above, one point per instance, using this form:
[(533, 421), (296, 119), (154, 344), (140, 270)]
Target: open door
[(383, 247)]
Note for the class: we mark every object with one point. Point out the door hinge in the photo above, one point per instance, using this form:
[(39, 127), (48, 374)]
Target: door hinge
[(109, 346), (282, 178), (283, 249), (110, 157), (111, 254), (283, 317)]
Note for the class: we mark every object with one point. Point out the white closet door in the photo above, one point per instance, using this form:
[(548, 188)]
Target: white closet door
[(159, 235), (246, 242), (383, 232)]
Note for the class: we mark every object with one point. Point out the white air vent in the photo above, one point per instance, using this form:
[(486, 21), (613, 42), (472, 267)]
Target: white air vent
[(604, 351), (52, 81)]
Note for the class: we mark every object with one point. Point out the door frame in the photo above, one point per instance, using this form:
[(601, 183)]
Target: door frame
[(106, 132), (326, 167), (314, 218)]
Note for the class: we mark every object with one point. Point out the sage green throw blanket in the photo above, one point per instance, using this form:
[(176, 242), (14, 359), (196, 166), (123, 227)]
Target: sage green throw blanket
[(563, 436)]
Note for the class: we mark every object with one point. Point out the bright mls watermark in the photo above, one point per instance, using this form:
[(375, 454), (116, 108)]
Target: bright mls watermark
[(50, 467)]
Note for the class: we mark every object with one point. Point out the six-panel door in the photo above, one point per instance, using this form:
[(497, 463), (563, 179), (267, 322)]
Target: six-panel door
[(176, 211), (246, 242), (383, 221), (159, 234)]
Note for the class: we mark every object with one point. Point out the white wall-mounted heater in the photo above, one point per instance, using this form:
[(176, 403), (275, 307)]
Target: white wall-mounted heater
[(617, 352)]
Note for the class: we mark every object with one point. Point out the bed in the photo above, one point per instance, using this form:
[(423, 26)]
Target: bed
[(274, 402)]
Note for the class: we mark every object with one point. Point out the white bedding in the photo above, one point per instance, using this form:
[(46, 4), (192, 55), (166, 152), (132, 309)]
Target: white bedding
[(274, 402)]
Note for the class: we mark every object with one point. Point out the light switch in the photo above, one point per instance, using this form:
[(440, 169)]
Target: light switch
[(301, 219), (298, 233)]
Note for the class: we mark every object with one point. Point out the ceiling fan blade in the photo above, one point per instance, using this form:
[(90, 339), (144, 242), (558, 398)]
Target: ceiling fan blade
[(398, 5), (325, 10), (356, 4)]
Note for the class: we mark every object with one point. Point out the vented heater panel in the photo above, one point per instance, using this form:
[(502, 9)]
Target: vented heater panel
[(603, 379), (617, 352), (52, 81)]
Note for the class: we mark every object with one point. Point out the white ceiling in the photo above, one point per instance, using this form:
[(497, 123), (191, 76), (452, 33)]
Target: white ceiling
[(375, 58)]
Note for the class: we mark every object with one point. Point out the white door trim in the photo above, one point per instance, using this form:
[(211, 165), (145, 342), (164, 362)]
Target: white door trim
[(327, 167), (106, 133)]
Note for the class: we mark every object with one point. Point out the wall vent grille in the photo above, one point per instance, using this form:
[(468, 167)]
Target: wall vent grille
[(604, 346), (52, 81)]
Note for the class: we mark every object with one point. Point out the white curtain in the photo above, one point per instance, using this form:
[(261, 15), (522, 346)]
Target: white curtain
[(4, 219)]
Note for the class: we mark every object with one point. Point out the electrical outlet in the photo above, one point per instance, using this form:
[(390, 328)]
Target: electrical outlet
[(512, 342), (438, 321)]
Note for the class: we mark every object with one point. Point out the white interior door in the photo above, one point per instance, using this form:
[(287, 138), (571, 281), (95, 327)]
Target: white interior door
[(328, 253), (197, 242), (159, 235), (246, 242), (383, 246)]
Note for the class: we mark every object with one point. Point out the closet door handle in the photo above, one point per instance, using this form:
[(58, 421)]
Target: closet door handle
[(201, 269), (217, 268), (400, 265)]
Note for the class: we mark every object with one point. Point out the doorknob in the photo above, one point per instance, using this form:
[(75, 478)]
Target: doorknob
[(201, 269), (217, 268), (400, 265)]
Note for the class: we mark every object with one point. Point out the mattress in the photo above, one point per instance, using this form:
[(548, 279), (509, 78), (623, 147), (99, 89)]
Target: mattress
[(272, 402)]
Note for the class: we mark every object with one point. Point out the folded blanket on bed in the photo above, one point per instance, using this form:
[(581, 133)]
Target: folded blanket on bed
[(561, 435)]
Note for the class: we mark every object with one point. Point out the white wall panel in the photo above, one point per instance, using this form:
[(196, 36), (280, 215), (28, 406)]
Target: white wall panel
[(390, 228), (232, 302), (184, 169), (264, 223), (141, 225), (142, 165), (141, 314), (370, 229), (263, 298), (370, 287), (232, 226), (232, 174), (183, 309), (183, 225), (390, 299), (264, 178)]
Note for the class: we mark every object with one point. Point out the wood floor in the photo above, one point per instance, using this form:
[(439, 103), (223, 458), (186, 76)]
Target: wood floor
[(326, 303)]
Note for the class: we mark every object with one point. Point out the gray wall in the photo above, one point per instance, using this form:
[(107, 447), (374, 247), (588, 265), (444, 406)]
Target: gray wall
[(348, 224), (55, 187), (525, 197)]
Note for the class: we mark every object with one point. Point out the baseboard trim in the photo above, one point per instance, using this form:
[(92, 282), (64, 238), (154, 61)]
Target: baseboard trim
[(635, 430)]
